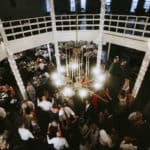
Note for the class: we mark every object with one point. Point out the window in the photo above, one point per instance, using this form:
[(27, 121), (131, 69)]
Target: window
[(83, 5), (108, 4), (72, 6), (47, 5), (133, 5), (147, 5)]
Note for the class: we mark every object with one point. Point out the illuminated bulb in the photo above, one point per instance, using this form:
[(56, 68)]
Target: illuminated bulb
[(83, 92), (100, 78), (58, 79), (62, 69), (96, 71), (55, 76), (67, 91), (58, 82), (97, 85)]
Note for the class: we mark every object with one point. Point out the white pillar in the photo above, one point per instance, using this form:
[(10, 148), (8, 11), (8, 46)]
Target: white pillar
[(49, 52), (13, 65), (108, 51), (17, 75), (53, 20), (77, 26), (3, 51), (141, 74), (4, 37), (100, 41)]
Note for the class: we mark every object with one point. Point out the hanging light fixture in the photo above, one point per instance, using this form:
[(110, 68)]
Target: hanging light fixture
[(83, 92), (77, 76), (97, 85), (68, 91)]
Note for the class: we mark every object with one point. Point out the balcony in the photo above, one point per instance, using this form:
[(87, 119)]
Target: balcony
[(131, 31)]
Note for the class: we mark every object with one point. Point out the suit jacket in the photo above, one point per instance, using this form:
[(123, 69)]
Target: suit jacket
[(90, 112)]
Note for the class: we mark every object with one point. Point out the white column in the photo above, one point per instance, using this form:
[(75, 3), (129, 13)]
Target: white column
[(100, 41), (77, 26), (108, 51), (3, 52), (13, 65), (4, 37), (17, 75), (52, 13), (141, 74), (49, 52)]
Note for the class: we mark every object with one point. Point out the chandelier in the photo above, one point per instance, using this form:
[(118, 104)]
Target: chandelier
[(77, 75)]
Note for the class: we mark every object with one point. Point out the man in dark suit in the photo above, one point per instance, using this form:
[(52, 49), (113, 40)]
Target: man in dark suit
[(89, 112)]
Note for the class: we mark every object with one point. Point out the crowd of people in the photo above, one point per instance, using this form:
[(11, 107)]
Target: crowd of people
[(106, 120)]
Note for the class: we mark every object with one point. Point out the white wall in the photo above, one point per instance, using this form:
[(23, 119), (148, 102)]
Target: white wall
[(22, 44), (82, 35), (137, 43)]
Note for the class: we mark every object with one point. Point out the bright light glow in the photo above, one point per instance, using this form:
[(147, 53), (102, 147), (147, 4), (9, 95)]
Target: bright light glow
[(134, 5), (108, 5), (58, 82), (55, 76), (96, 71), (97, 85), (83, 4), (147, 5), (74, 66), (68, 92), (72, 6), (100, 78), (83, 92), (108, 1), (47, 6), (62, 69), (58, 79)]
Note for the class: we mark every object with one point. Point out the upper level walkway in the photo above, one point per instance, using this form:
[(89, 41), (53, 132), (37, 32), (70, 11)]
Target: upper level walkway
[(128, 31)]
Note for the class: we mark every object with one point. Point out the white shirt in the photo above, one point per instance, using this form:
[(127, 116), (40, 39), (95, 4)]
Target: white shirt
[(87, 106), (25, 134), (46, 75), (2, 113), (59, 143), (45, 105), (66, 111), (41, 66), (105, 139), (132, 116), (127, 146), (135, 116), (126, 86)]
